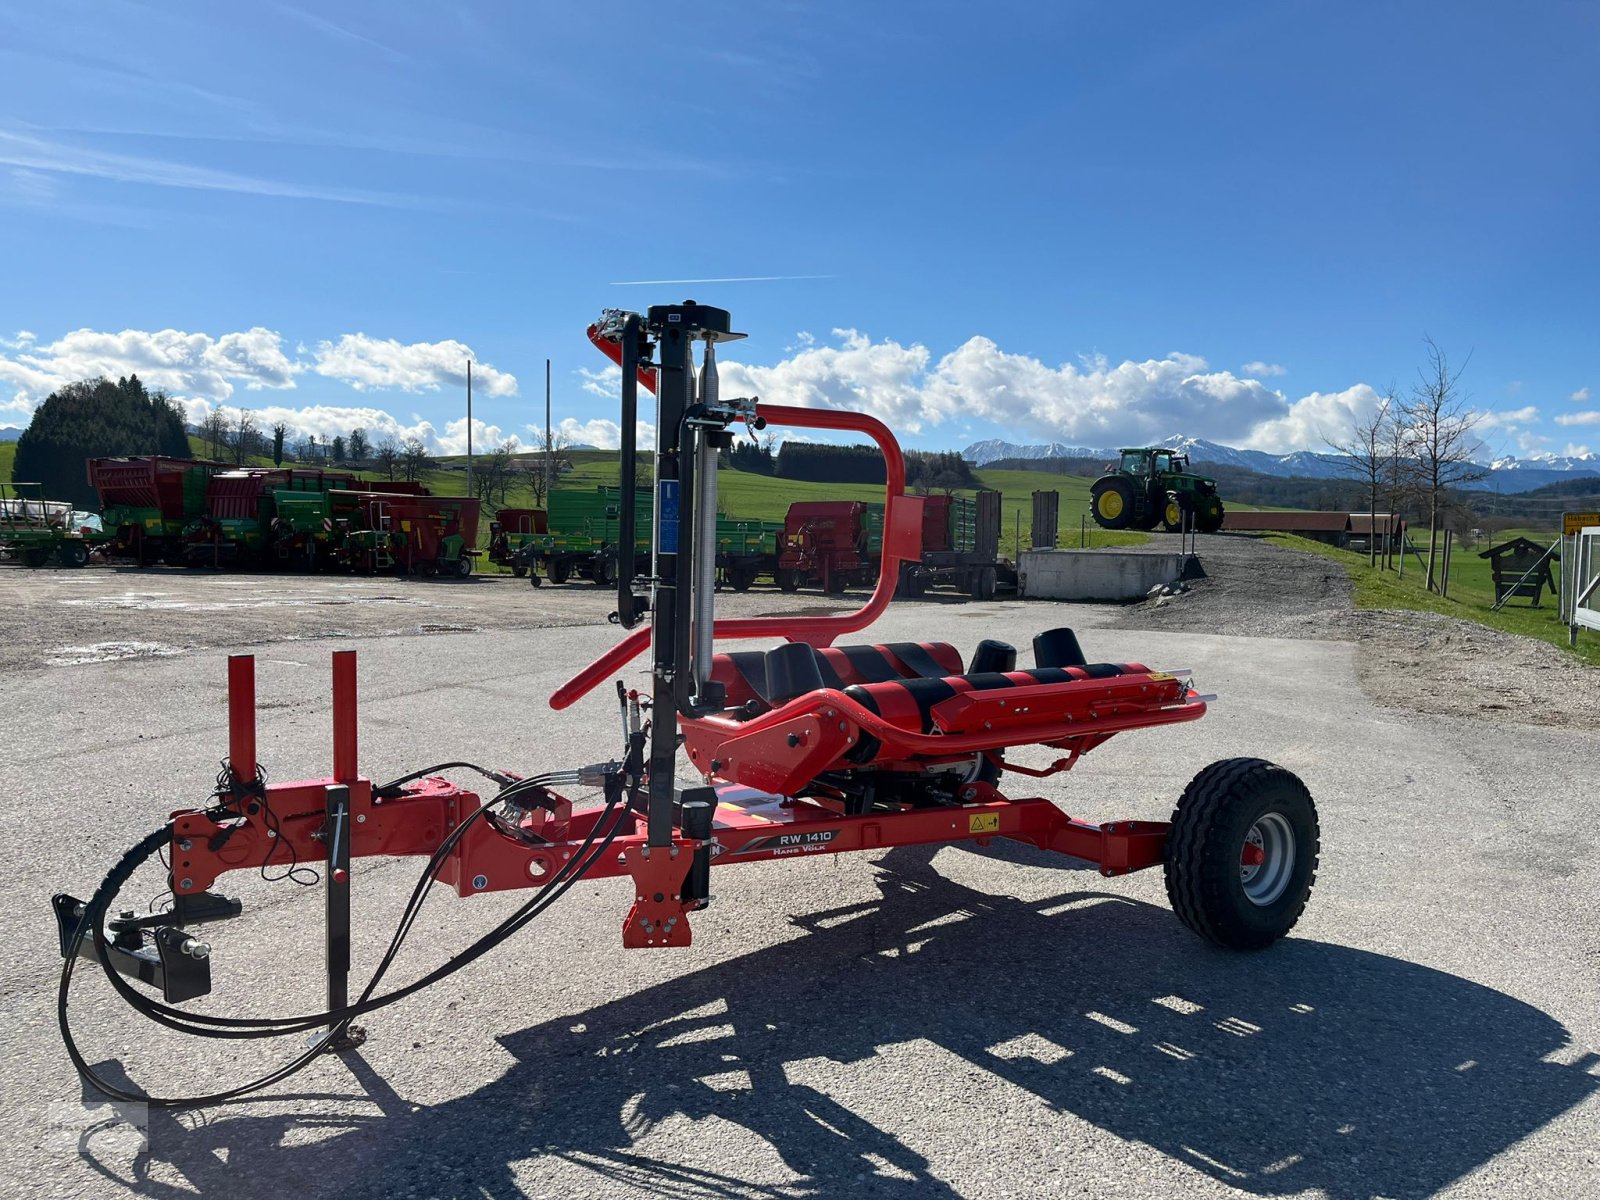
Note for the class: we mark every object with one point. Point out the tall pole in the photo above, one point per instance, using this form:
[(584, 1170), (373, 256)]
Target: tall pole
[(469, 427), (548, 445)]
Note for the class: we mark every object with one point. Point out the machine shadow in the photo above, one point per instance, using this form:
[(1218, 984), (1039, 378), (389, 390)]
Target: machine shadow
[(1309, 1066)]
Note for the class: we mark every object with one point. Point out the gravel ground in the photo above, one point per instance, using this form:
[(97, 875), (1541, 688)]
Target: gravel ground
[(1424, 662), (917, 1022)]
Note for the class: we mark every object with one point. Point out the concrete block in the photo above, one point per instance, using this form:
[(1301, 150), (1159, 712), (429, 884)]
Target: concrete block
[(1095, 574)]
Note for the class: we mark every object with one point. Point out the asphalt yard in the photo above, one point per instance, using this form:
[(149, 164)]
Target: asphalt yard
[(948, 1021)]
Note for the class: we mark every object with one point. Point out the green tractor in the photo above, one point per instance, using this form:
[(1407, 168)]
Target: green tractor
[(1152, 486)]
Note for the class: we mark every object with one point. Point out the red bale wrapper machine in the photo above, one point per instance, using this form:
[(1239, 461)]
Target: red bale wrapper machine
[(810, 747)]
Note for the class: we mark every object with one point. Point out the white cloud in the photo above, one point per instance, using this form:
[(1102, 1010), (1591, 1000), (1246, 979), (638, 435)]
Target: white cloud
[(1581, 396), (367, 362), (606, 382), (182, 363), (1259, 368), (202, 372), (883, 378), (1592, 417), (1312, 421), (1508, 420), (1574, 450), (599, 432)]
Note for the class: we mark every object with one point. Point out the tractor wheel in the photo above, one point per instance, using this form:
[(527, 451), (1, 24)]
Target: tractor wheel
[(788, 580), (1111, 502), (463, 566), (1208, 514), (72, 554), (742, 578), (520, 571), (559, 570), (175, 553), (1242, 853), (1173, 513), (605, 571), (35, 556)]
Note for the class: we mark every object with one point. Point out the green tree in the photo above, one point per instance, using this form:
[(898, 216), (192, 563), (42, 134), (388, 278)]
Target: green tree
[(338, 448), (279, 432), (359, 446), (95, 418)]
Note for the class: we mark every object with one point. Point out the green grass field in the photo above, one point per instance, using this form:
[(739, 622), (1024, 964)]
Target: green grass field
[(1471, 591)]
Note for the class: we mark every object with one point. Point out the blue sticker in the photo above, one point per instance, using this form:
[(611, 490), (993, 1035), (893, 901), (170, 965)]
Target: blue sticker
[(667, 517)]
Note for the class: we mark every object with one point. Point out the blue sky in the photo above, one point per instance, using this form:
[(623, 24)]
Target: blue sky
[(1078, 222)]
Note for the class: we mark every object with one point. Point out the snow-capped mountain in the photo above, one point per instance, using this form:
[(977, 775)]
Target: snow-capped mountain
[(1508, 474)]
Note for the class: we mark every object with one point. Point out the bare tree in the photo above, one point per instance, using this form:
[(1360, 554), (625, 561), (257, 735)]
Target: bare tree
[(492, 476), (387, 455), (1365, 457), (1439, 437), (544, 468), (242, 435), (413, 458), (215, 433), (1399, 480)]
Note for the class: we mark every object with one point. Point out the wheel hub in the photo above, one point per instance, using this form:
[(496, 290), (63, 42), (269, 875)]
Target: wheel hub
[(1266, 860)]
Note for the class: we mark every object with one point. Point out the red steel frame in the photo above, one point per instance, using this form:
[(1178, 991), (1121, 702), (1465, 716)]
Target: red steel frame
[(751, 826), (770, 756)]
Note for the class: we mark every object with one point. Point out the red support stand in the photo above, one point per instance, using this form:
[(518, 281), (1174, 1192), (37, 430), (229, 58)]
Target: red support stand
[(344, 716), (242, 716)]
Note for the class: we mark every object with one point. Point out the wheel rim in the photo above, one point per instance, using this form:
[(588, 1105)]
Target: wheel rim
[(1111, 504), (1174, 514), (1266, 861)]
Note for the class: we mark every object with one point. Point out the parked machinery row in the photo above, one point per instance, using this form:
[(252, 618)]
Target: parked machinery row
[(830, 545), (185, 512)]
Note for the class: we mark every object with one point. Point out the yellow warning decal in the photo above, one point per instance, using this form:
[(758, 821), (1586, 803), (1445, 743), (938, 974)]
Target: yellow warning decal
[(1161, 676), (988, 822)]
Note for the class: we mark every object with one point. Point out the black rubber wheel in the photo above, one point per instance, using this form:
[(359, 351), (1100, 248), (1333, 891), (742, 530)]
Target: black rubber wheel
[(907, 586), (984, 580), (835, 585), (72, 554), (533, 578), (1111, 502), (559, 570), (520, 571), (463, 566), (605, 571), (1242, 854), (1173, 512), (1208, 514), (788, 580), (35, 556), (742, 578)]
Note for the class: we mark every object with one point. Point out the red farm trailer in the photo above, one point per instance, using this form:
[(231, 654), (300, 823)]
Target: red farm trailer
[(960, 548), (430, 535), (146, 501), (831, 544), (809, 747)]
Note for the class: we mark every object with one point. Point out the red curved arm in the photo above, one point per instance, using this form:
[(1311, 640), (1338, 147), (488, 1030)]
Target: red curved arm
[(902, 538)]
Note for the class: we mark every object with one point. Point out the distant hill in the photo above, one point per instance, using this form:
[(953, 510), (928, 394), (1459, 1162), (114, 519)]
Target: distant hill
[(1506, 475), (9, 433)]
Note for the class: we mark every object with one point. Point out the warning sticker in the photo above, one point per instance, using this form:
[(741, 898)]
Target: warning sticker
[(988, 822)]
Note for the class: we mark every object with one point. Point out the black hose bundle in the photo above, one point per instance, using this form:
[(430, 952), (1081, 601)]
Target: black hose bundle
[(334, 1021)]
